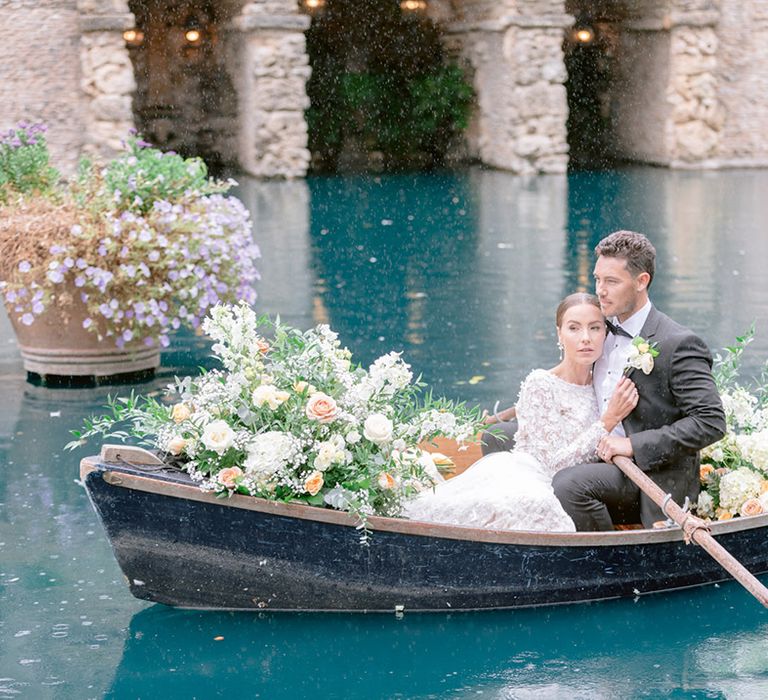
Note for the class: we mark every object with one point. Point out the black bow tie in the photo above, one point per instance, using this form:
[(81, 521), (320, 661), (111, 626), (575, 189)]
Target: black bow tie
[(617, 330)]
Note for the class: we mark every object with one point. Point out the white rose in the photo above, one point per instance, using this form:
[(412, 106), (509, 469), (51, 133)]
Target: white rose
[(326, 456), (646, 363), (176, 445), (218, 436), (353, 437), (705, 508), (378, 428)]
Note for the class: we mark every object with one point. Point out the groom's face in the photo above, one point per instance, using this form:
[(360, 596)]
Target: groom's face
[(617, 289)]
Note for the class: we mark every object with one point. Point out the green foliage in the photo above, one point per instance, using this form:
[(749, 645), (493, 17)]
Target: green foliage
[(400, 115), (143, 175), (381, 82), (24, 166), (127, 417), (726, 367)]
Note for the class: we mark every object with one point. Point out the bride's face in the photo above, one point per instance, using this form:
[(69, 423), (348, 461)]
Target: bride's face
[(582, 334)]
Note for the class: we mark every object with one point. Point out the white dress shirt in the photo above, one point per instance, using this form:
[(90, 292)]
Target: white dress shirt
[(610, 365)]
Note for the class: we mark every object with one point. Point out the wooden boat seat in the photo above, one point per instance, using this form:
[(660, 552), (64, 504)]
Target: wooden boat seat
[(461, 458)]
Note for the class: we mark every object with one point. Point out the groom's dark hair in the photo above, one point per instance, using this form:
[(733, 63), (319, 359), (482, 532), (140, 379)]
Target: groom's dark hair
[(634, 248)]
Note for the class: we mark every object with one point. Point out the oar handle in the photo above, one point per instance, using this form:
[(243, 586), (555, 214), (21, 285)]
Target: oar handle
[(694, 528)]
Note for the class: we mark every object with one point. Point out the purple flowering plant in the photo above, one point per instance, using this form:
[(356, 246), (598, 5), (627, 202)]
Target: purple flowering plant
[(24, 166), (131, 250)]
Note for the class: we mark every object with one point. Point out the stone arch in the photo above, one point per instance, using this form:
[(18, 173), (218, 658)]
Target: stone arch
[(688, 94), (663, 102), (260, 60), (185, 98)]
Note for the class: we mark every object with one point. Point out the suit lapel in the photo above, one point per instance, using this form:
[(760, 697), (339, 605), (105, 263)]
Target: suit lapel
[(647, 332), (651, 324)]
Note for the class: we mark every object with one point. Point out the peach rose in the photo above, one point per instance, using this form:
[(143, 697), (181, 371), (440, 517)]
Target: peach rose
[(764, 486), (704, 471), (386, 481), (321, 408), (227, 477), (314, 483), (262, 346), (750, 507), (180, 412), (721, 514), (721, 471), (176, 445)]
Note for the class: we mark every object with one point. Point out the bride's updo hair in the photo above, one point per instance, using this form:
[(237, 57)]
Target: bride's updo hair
[(574, 300)]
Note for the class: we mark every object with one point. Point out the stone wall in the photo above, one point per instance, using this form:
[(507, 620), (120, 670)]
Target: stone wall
[(696, 119), (742, 73), (40, 72), (64, 63)]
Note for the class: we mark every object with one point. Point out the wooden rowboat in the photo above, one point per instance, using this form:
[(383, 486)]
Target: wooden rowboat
[(180, 546)]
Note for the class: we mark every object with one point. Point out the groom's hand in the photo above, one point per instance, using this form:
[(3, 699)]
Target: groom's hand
[(611, 446)]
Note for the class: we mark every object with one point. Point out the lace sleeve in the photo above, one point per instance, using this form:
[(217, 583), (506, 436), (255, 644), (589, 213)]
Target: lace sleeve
[(556, 427)]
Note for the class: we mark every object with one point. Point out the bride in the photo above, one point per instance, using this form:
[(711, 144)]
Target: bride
[(558, 426)]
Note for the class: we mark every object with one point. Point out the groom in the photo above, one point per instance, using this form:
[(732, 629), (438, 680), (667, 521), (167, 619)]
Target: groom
[(679, 410)]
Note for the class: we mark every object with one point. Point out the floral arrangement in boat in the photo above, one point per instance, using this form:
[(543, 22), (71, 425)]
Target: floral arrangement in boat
[(293, 419), (129, 251), (734, 471)]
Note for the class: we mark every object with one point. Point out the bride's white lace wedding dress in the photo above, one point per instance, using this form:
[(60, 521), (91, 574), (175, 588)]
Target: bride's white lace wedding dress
[(558, 426)]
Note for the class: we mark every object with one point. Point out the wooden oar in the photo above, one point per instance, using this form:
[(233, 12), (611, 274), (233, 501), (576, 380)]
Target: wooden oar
[(693, 528)]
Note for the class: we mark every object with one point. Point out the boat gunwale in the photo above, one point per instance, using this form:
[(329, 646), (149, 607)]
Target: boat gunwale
[(130, 479)]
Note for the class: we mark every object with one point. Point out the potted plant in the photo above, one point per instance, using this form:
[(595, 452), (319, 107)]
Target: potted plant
[(98, 271)]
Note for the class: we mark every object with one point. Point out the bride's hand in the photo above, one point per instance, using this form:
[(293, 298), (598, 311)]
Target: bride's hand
[(622, 403)]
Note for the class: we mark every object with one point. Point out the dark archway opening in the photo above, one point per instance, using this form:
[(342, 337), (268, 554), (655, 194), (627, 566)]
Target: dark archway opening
[(590, 52), (383, 94), (185, 100)]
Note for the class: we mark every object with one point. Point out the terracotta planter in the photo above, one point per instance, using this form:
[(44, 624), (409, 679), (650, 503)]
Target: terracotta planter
[(56, 344)]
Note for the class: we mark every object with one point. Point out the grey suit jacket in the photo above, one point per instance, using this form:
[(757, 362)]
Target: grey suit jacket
[(678, 413)]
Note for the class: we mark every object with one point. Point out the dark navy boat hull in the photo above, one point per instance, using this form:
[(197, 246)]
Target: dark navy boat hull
[(182, 547)]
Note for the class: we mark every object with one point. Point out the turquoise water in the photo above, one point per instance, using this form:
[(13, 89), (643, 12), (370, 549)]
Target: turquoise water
[(461, 272)]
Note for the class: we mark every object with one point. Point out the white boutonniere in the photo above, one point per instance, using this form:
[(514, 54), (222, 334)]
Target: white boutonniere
[(641, 355)]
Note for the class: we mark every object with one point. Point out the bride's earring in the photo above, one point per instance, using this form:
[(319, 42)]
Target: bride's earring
[(560, 348)]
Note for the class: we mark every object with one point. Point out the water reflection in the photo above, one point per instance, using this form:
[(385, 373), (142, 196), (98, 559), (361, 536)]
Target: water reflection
[(282, 216), (650, 648)]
